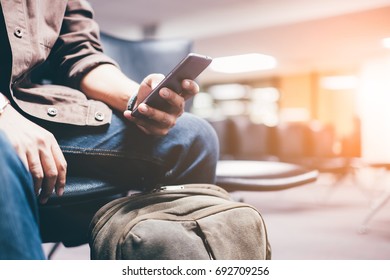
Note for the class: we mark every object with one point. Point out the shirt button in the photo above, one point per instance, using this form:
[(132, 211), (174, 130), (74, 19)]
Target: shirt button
[(99, 116), (52, 112), (18, 32)]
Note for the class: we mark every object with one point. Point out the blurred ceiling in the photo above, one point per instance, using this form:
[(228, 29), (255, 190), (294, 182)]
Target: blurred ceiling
[(303, 35)]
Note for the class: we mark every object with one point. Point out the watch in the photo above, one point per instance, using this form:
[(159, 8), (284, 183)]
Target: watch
[(3, 103), (131, 103)]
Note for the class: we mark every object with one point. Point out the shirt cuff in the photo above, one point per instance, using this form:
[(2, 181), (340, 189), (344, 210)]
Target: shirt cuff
[(84, 66)]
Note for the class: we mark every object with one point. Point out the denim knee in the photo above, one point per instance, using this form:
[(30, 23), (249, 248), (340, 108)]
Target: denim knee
[(191, 151), (202, 134)]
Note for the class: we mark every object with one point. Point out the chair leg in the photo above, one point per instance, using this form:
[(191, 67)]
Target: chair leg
[(53, 250), (374, 209)]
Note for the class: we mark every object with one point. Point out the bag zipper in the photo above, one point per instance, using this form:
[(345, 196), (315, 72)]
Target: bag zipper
[(168, 188), (206, 244)]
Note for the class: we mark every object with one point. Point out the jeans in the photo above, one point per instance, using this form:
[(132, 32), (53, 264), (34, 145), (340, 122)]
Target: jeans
[(123, 155), (19, 231), (118, 152)]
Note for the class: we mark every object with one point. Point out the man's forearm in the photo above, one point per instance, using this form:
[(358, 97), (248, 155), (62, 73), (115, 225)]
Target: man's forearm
[(108, 84)]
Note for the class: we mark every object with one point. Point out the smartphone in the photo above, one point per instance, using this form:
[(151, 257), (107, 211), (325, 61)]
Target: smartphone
[(189, 68)]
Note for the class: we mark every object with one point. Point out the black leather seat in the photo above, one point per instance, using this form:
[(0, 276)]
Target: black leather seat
[(66, 219)]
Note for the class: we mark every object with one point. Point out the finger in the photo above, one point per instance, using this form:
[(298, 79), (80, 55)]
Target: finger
[(153, 80), (23, 158), (50, 174), (35, 167), (156, 117), (61, 169), (146, 86), (148, 83), (190, 88), (140, 122), (22, 155), (155, 122), (127, 115), (176, 101)]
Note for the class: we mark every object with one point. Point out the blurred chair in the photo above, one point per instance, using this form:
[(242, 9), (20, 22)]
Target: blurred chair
[(66, 219), (311, 144), (242, 139), (250, 165), (226, 137), (253, 141), (292, 141), (322, 153)]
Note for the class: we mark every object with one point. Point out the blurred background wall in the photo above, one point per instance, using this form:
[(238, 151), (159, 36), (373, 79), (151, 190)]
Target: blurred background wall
[(330, 60)]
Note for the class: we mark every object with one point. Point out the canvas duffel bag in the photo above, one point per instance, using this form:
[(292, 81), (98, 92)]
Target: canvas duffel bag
[(194, 221)]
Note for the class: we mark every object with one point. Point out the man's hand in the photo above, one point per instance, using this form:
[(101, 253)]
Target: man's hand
[(160, 122), (38, 150)]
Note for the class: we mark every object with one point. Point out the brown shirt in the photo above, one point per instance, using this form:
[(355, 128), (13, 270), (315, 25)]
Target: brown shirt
[(65, 33)]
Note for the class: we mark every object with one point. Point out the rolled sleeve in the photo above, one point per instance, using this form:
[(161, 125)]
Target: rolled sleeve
[(78, 70), (78, 49)]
